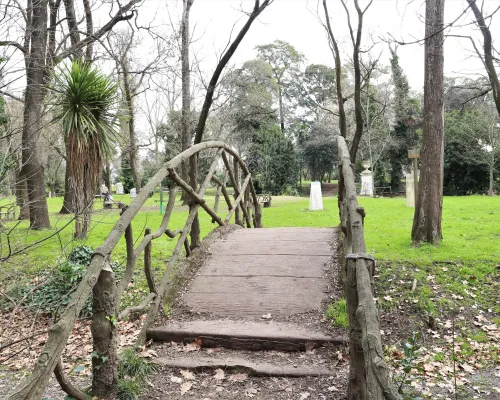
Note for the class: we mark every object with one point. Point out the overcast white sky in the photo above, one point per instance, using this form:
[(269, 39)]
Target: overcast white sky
[(296, 22)]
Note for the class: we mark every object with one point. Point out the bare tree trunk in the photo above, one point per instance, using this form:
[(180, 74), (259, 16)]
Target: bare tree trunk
[(282, 117), (429, 206), (107, 175), (68, 206), (22, 196), (186, 93), (488, 61), (131, 126), (338, 73), (32, 168), (90, 29), (104, 334), (492, 169), (209, 96)]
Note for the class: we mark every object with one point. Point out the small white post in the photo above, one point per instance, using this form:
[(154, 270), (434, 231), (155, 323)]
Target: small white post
[(316, 198)]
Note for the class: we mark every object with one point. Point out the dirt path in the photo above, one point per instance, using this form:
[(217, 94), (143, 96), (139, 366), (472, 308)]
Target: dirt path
[(251, 324)]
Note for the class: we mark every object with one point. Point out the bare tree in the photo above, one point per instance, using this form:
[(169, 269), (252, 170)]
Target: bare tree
[(429, 205), (360, 78), (258, 8), (42, 49)]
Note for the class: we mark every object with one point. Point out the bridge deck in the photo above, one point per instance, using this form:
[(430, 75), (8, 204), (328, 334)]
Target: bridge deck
[(277, 271)]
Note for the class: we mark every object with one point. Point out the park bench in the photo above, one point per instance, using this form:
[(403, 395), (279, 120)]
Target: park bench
[(8, 212), (109, 204), (386, 191), (265, 199)]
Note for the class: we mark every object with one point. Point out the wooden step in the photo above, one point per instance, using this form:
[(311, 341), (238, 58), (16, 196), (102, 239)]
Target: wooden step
[(200, 363), (247, 335)]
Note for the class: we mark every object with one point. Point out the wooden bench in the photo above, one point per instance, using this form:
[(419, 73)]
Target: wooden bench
[(382, 191), (265, 199), (113, 204), (8, 212)]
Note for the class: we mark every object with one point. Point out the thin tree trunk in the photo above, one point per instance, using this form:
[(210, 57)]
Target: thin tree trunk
[(68, 206), (207, 103), (32, 168), (186, 93), (282, 117), (429, 206), (492, 169), (90, 29), (107, 175), (104, 334), (338, 73), (22, 196), (131, 126)]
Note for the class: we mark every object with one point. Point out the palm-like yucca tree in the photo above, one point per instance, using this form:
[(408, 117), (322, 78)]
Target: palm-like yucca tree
[(85, 104)]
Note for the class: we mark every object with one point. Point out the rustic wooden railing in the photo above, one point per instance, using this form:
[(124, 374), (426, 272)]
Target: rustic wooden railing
[(369, 377), (99, 277)]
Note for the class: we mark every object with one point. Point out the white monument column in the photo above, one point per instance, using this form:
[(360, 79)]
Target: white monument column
[(410, 190), (119, 188), (315, 199), (366, 180)]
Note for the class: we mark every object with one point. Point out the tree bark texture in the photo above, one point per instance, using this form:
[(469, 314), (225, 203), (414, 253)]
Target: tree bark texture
[(66, 384), (429, 205), (68, 206), (186, 91), (104, 334), (22, 196), (369, 377), (338, 73), (358, 109), (32, 167), (282, 111), (131, 124), (489, 60)]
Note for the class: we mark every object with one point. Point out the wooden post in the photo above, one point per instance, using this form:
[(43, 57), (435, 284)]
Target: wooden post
[(104, 323), (356, 386), (237, 215), (369, 377), (147, 263)]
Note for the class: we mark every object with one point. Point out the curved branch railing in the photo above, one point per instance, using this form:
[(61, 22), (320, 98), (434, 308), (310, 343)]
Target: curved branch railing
[(369, 376), (245, 203)]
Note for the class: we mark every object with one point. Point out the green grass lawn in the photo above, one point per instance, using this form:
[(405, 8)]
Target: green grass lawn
[(459, 278), (470, 227)]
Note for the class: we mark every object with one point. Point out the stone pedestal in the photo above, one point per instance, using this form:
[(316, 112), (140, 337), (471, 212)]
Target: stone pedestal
[(119, 188), (410, 190), (315, 199), (366, 181)]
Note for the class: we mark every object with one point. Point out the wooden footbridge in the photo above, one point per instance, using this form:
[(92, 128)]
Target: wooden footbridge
[(250, 290)]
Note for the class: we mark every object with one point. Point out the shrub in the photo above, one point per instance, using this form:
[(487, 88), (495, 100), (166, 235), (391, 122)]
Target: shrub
[(60, 283)]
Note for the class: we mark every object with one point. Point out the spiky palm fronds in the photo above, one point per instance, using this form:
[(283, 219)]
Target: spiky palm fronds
[(85, 103)]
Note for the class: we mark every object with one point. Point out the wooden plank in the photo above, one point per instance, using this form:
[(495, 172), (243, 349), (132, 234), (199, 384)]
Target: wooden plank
[(295, 234), (248, 304), (274, 247), (257, 285), (243, 335), (268, 265), (250, 367)]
